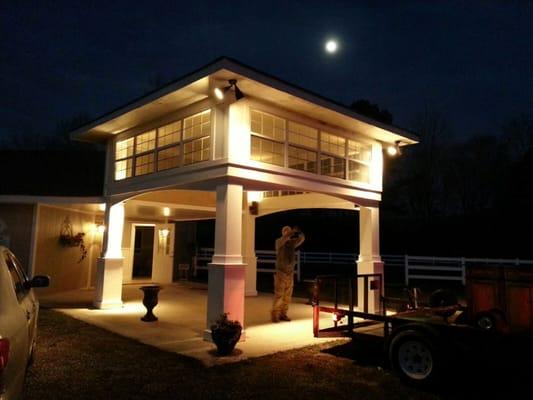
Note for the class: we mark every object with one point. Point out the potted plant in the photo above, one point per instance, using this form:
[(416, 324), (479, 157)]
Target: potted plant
[(225, 334)]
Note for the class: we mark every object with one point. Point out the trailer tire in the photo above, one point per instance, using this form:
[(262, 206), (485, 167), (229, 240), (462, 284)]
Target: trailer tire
[(413, 355), (490, 321)]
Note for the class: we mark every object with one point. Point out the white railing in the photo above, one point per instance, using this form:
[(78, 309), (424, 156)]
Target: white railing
[(265, 258), (415, 267)]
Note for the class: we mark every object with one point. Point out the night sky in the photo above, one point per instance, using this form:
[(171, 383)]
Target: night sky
[(470, 61)]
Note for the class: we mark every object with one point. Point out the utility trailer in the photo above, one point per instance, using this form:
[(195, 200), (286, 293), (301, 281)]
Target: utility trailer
[(424, 343)]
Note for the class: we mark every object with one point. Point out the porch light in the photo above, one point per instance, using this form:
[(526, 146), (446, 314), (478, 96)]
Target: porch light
[(255, 196), (221, 92), (394, 149)]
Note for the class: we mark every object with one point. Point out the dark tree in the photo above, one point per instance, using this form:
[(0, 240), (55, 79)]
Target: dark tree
[(372, 110)]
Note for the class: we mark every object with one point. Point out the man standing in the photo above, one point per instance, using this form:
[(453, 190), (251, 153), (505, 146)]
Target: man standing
[(286, 246)]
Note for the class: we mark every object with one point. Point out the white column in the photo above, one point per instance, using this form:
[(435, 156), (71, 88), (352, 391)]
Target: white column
[(248, 249), (369, 261), (109, 265), (227, 271)]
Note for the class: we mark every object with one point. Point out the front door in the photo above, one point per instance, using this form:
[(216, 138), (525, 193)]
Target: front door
[(143, 252)]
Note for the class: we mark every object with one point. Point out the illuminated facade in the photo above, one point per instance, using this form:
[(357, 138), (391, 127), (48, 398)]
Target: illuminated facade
[(263, 135)]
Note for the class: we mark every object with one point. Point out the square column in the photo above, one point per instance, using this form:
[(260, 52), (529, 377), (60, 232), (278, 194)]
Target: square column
[(226, 284), (248, 249), (369, 261), (109, 265)]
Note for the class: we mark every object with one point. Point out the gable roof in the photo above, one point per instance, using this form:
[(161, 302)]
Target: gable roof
[(198, 85)]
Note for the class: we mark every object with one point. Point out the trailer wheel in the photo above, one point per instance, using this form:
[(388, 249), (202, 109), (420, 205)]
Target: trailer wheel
[(413, 357), (490, 321)]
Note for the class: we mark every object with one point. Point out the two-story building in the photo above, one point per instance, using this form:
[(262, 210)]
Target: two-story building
[(214, 138), (212, 144)]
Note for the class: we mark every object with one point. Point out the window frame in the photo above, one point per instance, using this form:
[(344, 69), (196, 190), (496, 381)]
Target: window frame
[(347, 136), (180, 144)]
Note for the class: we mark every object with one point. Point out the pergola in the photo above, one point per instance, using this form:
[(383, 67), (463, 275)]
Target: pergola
[(191, 147)]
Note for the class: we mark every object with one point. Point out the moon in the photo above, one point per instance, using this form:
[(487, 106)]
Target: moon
[(331, 46)]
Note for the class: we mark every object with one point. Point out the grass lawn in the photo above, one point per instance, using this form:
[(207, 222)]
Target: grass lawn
[(75, 360)]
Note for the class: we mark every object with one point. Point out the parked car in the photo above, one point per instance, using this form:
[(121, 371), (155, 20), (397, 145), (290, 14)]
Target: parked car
[(18, 323)]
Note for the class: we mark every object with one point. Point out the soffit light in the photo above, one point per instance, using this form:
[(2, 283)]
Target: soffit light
[(221, 92)]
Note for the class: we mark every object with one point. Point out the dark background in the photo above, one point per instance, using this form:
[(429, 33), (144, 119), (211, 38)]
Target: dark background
[(457, 73)]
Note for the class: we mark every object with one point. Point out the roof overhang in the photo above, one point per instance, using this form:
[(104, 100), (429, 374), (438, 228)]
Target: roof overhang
[(198, 86)]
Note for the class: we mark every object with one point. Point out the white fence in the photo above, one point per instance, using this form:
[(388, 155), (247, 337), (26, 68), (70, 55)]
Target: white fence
[(415, 267), (266, 260)]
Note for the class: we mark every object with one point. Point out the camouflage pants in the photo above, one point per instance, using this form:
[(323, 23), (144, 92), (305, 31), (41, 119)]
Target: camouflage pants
[(283, 285)]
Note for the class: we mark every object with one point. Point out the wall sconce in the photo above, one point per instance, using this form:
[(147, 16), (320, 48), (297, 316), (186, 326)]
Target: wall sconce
[(254, 207), (220, 93), (166, 211), (100, 228), (164, 236)]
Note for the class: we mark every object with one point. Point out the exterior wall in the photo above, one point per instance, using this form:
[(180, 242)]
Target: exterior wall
[(61, 263), (17, 232)]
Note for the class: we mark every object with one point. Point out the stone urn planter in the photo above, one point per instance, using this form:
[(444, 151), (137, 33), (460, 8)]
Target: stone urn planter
[(225, 334), (150, 300)]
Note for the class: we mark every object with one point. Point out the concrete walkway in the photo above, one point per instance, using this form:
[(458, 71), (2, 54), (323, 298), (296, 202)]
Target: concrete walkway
[(182, 313)]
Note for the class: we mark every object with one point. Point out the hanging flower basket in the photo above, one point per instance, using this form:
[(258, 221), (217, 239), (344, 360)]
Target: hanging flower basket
[(67, 239)]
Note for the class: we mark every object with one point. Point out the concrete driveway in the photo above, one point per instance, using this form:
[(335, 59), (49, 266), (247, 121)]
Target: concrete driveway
[(182, 313)]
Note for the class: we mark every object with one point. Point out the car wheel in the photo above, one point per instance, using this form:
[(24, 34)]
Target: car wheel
[(414, 358)]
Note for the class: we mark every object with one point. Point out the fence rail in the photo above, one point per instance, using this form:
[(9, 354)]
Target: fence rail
[(414, 267)]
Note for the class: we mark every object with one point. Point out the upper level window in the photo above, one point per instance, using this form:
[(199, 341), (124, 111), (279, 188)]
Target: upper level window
[(196, 140), (124, 158), (169, 134), (178, 143), (267, 125), (267, 151), (303, 146), (308, 149), (302, 135), (332, 144), (145, 142), (359, 157), (268, 138), (198, 125), (333, 155)]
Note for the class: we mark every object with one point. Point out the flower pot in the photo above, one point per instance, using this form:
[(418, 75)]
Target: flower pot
[(226, 339), (150, 300)]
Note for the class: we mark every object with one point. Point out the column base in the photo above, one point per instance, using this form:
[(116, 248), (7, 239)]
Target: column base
[(105, 305), (108, 293), (226, 288), (373, 265)]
